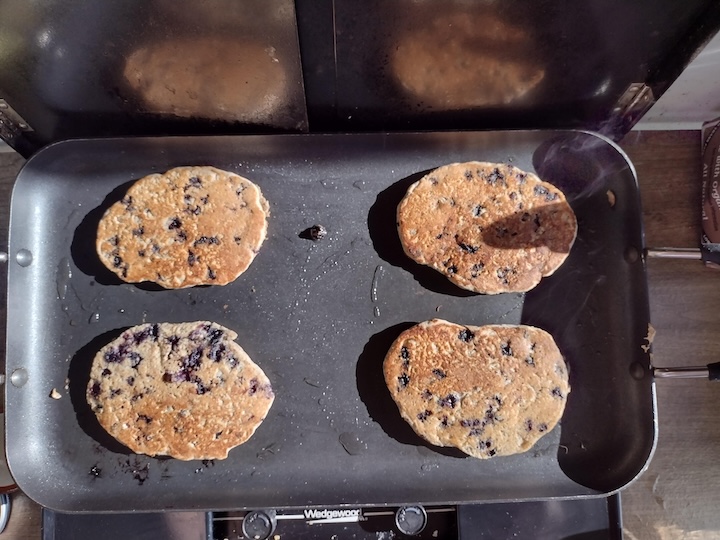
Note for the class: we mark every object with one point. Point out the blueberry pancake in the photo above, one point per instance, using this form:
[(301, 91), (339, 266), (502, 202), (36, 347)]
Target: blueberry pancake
[(489, 228), (189, 226), (487, 390), (184, 390)]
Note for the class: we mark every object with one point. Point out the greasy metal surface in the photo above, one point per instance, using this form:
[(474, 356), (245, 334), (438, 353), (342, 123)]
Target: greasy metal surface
[(588, 53), (74, 68), (319, 317), (62, 61)]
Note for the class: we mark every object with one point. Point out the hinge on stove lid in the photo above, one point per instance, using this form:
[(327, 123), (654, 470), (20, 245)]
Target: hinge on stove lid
[(12, 125), (631, 106)]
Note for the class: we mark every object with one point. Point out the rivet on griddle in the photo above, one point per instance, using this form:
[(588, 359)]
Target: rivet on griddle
[(637, 371), (632, 255), (24, 257), (19, 377)]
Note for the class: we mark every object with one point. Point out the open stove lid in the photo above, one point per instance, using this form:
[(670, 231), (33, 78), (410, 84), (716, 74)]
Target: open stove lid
[(73, 68)]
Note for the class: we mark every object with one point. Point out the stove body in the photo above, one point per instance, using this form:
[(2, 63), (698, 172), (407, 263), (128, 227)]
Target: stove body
[(72, 69)]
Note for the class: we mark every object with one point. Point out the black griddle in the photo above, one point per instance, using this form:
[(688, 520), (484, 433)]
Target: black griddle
[(318, 317)]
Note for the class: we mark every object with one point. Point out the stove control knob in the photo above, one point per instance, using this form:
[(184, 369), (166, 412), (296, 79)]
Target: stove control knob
[(411, 520), (259, 524)]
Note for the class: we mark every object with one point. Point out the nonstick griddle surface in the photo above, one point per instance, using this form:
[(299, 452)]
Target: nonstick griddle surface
[(318, 317)]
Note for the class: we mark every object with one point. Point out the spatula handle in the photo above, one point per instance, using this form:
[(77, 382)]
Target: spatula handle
[(710, 372), (673, 253)]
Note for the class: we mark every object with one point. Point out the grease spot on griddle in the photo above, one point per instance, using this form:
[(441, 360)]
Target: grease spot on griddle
[(95, 471), (165, 470), (64, 273), (375, 280), (140, 471), (268, 451), (352, 443)]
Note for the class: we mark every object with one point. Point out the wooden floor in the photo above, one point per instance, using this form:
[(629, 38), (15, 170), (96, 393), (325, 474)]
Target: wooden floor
[(678, 497)]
